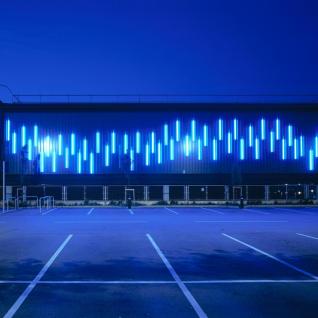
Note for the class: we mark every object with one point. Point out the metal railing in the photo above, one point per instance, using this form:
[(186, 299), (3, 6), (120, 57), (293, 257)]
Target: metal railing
[(83, 194), (25, 198)]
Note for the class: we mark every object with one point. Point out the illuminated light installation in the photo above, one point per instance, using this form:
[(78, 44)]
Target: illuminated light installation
[(311, 160), (60, 144), (23, 136), (91, 163), (138, 142), (153, 142), (272, 141), (263, 131), (159, 153), (229, 143), (199, 150), (35, 135), (85, 149), (177, 130), (205, 135), (165, 134), (193, 130), (113, 142), (107, 162), (125, 144), (97, 142), (72, 144), (235, 129), (250, 136), (14, 143), (79, 162), (171, 149), (242, 149), (8, 129), (197, 142)]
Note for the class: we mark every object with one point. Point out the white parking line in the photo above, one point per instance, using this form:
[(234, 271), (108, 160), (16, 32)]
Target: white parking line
[(140, 282), (90, 211), (48, 211), (272, 257), (170, 210), (241, 221), (34, 282), (309, 236), (131, 211), (176, 277), (99, 222), (211, 210)]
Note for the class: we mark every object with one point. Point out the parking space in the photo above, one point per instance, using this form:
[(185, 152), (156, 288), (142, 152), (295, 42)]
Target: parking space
[(188, 262)]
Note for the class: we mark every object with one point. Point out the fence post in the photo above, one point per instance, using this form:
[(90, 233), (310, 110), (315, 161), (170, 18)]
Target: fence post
[(3, 185), (226, 193), (266, 189), (166, 193), (146, 193)]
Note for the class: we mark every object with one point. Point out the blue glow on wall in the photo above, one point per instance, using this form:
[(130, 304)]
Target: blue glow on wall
[(202, 143), (72, 144), (177, 130), (97, 142), (205, 135)]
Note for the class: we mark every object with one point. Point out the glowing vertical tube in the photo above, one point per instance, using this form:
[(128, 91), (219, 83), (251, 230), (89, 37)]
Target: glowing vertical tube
[(152, 142), (311, 160), (67, 159), (159, 152), (113, 137), (41, 162), (263, 129), (205, 135), (171, 149), (235, 129), (214, 150), (147, 159), (250, 136), (277, 126), (220, 129), (8, 129), (23, 136), (54, 161), (242, 149), (84, 149), (47, 146), (79, 162), (60, 145), (14, 142), (316, 146), (257, 150), (283, 149), (72, 144), (35, 135), (290, 136), (132, 159), (166, 134), (107, 155), (137, 142), (229, 143), (199, 150), (295, 148), (187, 146), (97, 142), (302, 146), (91, 163), (193, 129), (272, 141), (177, 130), (30, 149), (125, 143)]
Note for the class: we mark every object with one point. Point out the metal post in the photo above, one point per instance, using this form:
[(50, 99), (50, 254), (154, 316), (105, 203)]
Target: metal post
[(3, 185)]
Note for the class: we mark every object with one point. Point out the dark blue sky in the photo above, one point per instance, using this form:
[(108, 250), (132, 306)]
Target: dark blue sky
[(159, 47)]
